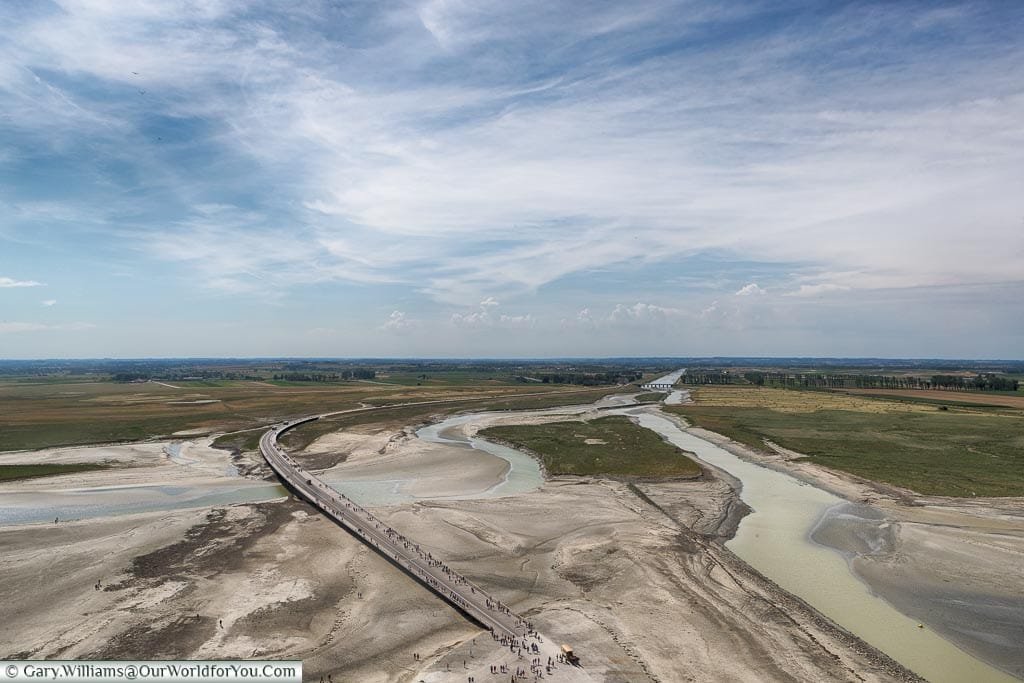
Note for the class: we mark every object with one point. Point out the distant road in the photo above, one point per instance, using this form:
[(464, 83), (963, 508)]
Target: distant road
[(666, 381)]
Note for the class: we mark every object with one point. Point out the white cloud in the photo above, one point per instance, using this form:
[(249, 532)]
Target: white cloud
[(8, 327), (375, 156), (642, 313), (818, 289), (750, 290), (397, 322), (11, 282), (474, 319), (49, 302), (483, 318), (516, 320), (381, 176)]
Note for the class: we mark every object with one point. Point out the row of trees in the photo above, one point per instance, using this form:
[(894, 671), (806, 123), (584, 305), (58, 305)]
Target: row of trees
[(325, 376), (586, 379), (710, 377), (981, 382), (984, 382), (182, 375)]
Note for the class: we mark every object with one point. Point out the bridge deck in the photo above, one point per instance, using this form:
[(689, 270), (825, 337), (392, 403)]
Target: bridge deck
[(423, 566)]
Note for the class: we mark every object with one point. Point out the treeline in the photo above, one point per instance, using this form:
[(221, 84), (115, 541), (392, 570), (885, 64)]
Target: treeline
[(977, 383), (586, 379), (710, 377), (822, 380), (325, 377), (182, 376)]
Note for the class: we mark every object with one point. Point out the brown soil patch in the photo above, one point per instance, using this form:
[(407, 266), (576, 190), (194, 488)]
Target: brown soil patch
[(1007, 400)]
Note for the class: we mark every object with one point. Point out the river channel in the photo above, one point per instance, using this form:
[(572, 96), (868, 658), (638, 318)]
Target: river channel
[(776, 540)]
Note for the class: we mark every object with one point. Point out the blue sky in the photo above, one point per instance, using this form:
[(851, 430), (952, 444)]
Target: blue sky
[(450, 178)]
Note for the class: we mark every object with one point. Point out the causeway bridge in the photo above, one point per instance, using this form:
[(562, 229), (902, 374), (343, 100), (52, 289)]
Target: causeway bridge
[(407, 555), (666, 382)]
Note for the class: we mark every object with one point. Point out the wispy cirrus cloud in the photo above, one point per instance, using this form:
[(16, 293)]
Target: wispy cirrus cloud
[(8, 282), (818, 289), (22, 327), (471, 152)]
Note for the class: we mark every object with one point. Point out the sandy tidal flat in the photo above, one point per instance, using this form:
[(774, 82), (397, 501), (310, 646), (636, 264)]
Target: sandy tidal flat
[(950, 562), (634, 577)]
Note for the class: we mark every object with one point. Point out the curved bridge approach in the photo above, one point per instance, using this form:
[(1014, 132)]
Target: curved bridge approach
[(402, 552)]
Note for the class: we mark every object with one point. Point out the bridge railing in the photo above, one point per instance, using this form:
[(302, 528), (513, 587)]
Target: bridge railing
[(447, 590)]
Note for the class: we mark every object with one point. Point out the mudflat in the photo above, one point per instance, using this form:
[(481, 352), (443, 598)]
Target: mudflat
[(634, 576), (951, 562)]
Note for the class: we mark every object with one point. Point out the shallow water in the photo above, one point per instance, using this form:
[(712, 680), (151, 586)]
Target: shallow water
[(775, 540), (44, 506), (990, 626), (523, 474), (677, 397)]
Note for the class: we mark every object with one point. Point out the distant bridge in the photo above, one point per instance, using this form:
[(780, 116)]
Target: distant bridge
[(666, 382)]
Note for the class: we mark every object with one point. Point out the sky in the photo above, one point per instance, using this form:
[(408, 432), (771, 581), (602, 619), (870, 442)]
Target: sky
[(511, 179)]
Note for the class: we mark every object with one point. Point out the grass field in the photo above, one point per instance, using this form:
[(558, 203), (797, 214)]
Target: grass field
[(960, 451), (11, 472), (45, 414), (1008, 399), (248, 440), (653, 397), (610, 446), (395, 416), (37, 416)]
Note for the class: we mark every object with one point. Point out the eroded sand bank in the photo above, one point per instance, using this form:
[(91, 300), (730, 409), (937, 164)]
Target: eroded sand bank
[(951, 562), (634, 577), (163, 475)]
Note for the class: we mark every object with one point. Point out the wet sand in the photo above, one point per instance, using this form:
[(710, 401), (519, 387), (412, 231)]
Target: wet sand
[(634, 576), (960, 581), (162, 475), (949, 562)]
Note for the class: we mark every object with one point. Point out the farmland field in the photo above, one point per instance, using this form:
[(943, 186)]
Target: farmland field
[(612, 446), (1006, 399), (956, 451), (12, 472), (46, 414)]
